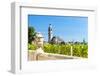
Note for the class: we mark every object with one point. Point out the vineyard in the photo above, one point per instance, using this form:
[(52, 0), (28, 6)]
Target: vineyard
[(80, 50)]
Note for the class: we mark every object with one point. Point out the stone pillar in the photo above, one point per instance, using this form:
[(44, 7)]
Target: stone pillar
[(39, 42)]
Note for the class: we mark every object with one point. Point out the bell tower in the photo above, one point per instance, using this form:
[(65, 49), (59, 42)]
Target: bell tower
[(50, 33)]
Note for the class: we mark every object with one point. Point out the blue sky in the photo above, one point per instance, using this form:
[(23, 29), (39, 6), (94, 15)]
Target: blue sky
[(68, 28)]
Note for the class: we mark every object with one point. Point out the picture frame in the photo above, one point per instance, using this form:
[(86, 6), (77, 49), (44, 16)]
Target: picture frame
[(19, 31)]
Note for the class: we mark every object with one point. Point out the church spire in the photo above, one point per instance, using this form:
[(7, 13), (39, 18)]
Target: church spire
[(49, 32)]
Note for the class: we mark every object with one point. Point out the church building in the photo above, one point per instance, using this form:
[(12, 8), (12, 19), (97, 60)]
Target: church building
[(53, 39)]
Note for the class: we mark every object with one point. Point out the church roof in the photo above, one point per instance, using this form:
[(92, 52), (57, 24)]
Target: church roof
[(56, 38)]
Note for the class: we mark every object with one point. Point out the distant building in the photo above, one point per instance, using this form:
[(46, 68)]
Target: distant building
[(53, 39), (57, 40)]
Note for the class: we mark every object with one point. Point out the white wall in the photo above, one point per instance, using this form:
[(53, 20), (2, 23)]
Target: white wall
[(5, 33)]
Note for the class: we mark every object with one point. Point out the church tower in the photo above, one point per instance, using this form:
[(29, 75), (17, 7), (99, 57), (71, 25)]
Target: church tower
[(50, 33)]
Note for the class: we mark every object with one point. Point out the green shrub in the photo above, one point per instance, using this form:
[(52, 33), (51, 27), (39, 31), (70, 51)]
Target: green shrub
[(32, 47), (65, 49), (79, 50), (51, 48), (57, 48)]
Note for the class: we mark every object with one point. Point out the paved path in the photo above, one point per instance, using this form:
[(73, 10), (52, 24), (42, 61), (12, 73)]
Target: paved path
[(47, 56)]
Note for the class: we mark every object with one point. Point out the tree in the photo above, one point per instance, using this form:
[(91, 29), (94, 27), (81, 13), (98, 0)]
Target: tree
[(31, 34)]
